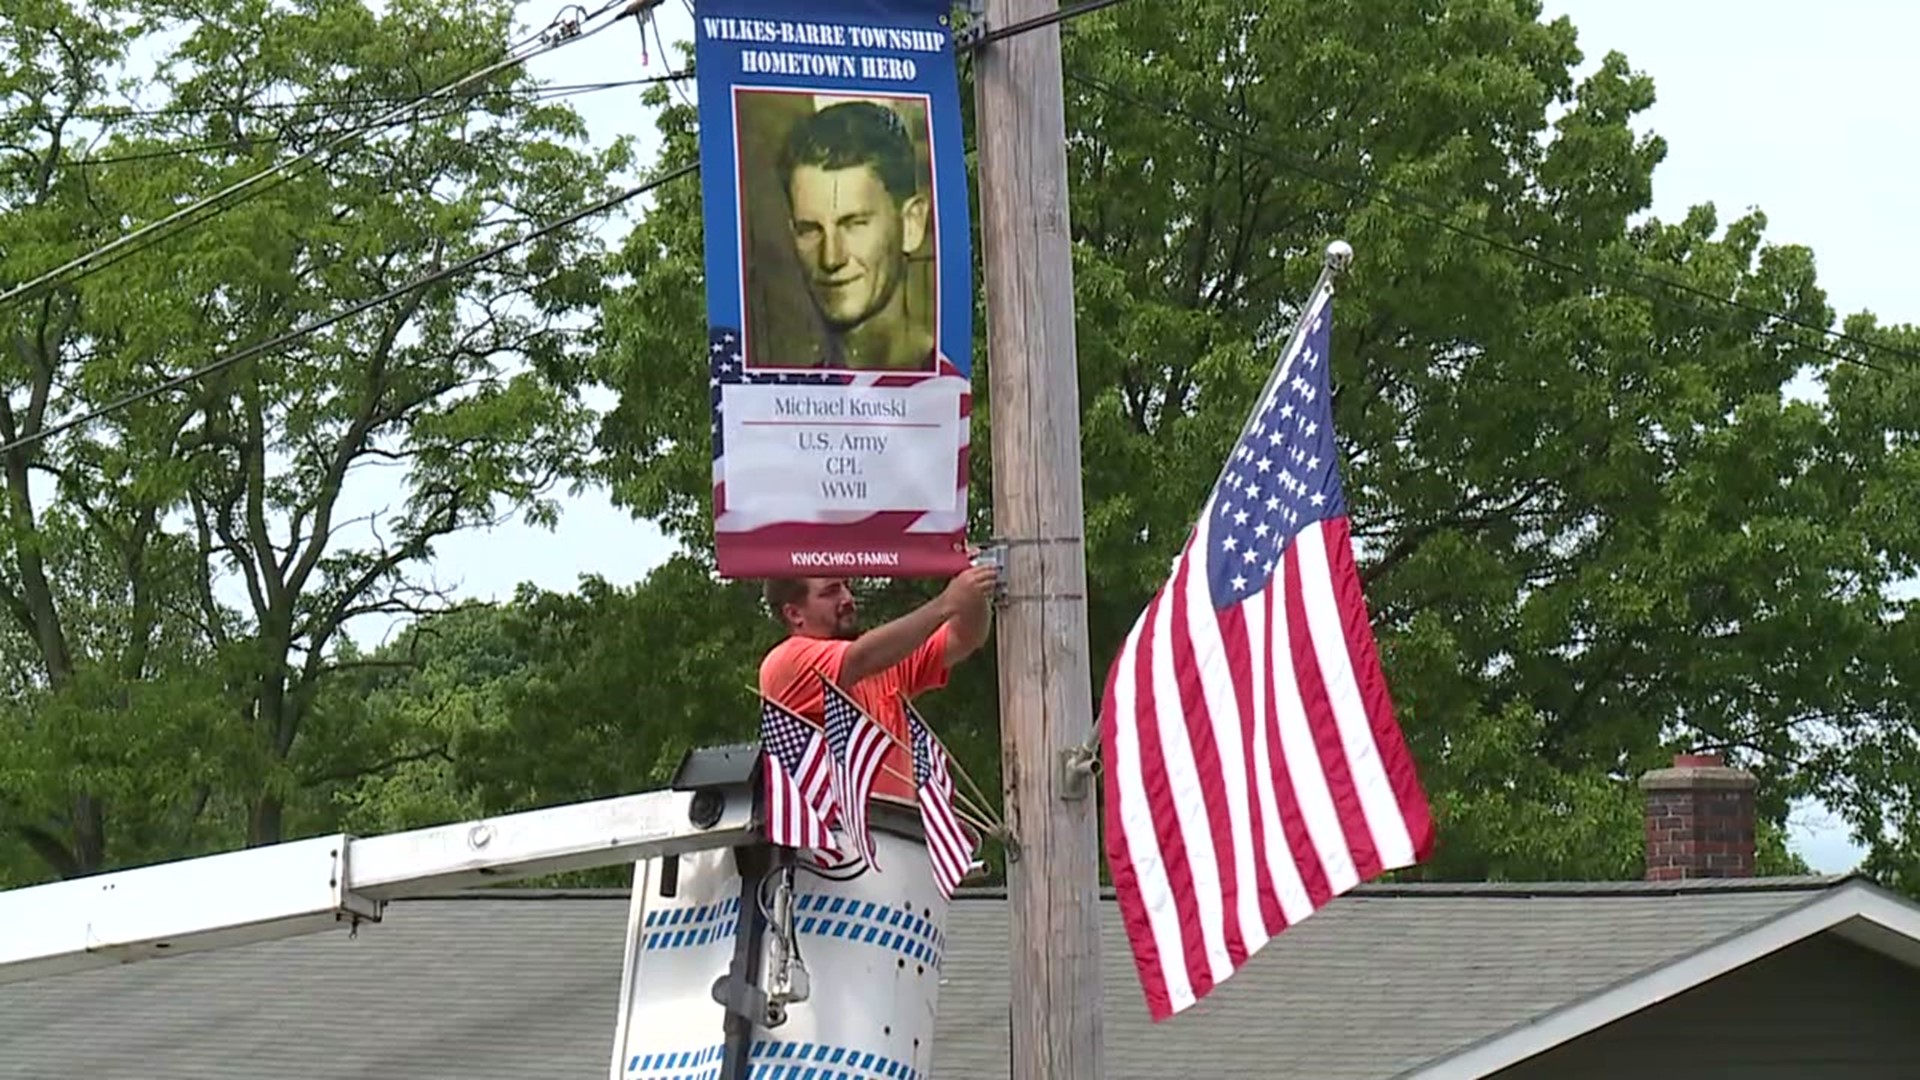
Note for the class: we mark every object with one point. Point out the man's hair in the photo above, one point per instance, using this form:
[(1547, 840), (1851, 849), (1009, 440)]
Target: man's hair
[(783, 591), (849, 134)]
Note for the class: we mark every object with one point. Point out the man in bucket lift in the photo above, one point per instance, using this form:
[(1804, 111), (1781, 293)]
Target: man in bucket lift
[(910, 655)]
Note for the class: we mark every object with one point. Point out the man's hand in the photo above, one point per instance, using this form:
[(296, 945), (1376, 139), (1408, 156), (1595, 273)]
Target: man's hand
[(970, 599), (966, 602), (971, 589)]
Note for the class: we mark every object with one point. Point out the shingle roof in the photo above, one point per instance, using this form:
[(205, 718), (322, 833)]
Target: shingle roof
[(512, 984)]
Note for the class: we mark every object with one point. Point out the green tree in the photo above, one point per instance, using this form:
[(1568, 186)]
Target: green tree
[(227, 523), (553, 698), (1593, 525)]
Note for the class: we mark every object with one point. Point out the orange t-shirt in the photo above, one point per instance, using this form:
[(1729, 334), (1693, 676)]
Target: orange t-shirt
[(787, 676)]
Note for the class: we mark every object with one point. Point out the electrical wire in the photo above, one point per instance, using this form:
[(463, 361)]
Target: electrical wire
[(1058, 15), (307, 329), (558, 35), (542, 93), (314, 327), (1434, 213)]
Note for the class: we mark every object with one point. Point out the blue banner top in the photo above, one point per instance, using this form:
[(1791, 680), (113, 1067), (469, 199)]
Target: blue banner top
[(801, 10)]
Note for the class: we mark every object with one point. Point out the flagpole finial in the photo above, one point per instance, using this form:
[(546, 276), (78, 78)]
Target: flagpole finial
[(1339, 255)]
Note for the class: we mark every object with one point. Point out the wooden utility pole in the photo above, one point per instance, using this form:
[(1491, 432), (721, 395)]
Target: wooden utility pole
[(1046, 710)]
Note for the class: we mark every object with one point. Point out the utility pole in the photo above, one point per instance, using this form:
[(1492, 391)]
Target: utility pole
[(1046, 709)]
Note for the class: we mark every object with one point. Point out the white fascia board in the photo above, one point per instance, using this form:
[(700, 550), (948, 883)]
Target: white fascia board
[(1847, 906)]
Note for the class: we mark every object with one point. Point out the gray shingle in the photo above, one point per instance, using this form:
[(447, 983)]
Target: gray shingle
[(1377, 982), (512, 985)]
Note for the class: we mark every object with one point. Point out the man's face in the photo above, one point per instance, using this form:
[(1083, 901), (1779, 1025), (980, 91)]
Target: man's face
[(828, 610), (852, 239)]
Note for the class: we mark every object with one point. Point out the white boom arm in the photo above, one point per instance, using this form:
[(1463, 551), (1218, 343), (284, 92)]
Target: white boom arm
[(304, 886)]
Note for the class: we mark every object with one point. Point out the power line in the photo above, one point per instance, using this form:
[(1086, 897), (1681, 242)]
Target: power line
[(311, 328), (260, 110), (308, 329), (559, 34), (1059, 15), (543, 93), (1395, 198)]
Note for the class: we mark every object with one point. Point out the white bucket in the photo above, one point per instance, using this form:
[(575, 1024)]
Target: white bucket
[(871, 942)]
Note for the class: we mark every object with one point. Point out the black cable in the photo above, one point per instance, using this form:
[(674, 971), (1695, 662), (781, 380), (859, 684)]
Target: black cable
[(305, 330), (1394, 197), (1058, 15), (308, 329), (559, 34), (533, 94), (262, 108)]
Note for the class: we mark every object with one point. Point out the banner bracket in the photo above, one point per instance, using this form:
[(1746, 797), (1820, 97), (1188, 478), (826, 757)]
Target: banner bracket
[(1078, 764), (970, 35)]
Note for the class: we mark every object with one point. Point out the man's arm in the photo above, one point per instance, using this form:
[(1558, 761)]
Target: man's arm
[(967, 630), (886, 645)]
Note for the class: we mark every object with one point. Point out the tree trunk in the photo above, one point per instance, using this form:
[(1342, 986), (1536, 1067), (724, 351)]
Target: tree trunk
[(263, 824)]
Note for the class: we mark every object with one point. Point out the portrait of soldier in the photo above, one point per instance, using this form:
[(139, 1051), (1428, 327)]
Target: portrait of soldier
[(852, 184)]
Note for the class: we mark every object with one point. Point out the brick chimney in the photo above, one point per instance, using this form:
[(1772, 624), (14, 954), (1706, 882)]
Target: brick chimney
[(1699, 819)]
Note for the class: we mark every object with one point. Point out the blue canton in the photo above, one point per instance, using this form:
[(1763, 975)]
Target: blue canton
[(840, 720), (784, 736), (1281, 477), (922, 753)]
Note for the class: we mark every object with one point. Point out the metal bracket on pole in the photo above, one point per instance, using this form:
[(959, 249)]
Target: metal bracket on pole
[(995, 555), (975, 29), (1078, 764)]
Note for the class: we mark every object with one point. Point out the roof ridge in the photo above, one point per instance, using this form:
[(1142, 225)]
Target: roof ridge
[(1373, 890), (1526, 889)]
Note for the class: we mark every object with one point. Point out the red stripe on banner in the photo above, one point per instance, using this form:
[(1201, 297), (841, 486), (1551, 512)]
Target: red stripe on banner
[(1233, 634), (1120, 863), (1200, 721), (1326, 730), (1306, 859), (1388, 739), (879, 546)]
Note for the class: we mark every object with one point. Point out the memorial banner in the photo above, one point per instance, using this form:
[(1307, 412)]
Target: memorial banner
[(839, 286)]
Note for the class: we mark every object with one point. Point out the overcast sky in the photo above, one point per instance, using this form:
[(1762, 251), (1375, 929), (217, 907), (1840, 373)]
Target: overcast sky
[(1762, 105)]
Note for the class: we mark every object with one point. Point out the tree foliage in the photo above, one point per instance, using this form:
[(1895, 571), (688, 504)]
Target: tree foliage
[(208, 536), (1613, 497), (1595, 525)]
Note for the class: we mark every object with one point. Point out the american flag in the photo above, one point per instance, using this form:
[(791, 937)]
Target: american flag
[(859, 749), (1254, 770), (950, 845), (799, 780)]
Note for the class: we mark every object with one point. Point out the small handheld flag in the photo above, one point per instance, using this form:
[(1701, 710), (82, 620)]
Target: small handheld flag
[(798, 780), (859, 747), (950, 845)]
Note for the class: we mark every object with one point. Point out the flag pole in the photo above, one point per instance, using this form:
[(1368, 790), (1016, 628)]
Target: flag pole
[(1339, 256)]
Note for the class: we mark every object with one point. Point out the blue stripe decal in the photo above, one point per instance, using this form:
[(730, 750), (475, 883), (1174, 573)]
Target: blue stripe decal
[(690, 927), (773, 1059), (896, 929)]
